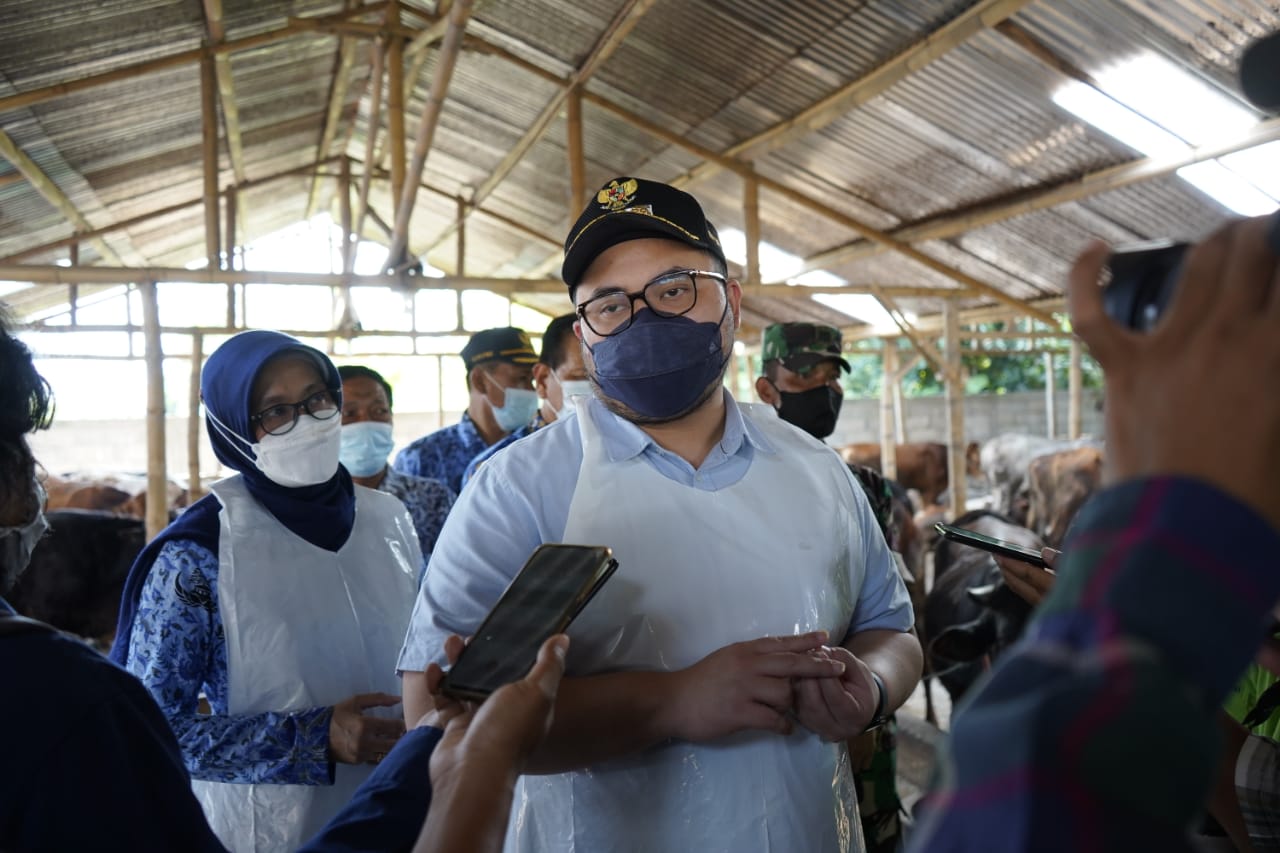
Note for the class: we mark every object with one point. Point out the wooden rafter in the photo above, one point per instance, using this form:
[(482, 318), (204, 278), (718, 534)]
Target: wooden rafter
[(449, 49), (622, 24), (338, 86), (51, 193)]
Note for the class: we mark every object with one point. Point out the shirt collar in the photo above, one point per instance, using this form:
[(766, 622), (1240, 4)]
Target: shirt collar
[(624, 440)]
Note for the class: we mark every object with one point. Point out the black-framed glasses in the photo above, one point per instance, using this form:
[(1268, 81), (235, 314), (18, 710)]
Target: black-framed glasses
[(669, 295), (283, 417)]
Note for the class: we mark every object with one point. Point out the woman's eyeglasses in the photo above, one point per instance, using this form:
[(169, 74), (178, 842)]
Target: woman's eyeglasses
[(283, 417)]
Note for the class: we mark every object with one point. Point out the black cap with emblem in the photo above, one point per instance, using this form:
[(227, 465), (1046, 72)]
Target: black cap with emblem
[(631, 209)]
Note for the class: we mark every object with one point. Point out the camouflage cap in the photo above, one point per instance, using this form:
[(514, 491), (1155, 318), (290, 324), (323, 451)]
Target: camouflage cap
[(799, 346)]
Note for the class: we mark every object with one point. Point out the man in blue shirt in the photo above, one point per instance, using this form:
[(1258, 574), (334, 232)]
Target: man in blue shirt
[(499, 365), (366, 442), (699, 679), (558, 377)]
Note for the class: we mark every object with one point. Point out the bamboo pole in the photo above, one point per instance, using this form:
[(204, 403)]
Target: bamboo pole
[(73, 291), (751, 225), (888, 447), (440, 390), (229, 255), (1075, 386), (955, 412), (333, 114), (157, 479), (1050, 400), (406, 194), (209, 149), (460, 262), (576, 152), (195, 489), (371, 134), (395, 104), (344, 216)]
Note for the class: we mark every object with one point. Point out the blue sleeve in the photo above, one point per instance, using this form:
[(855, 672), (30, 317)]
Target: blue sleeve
[(883, 602), (409, 460), (389, 809), (178, 649)]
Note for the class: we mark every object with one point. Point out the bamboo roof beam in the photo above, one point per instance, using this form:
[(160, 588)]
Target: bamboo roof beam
[(338, 87), (51, 193), (622, 24), (978, 17), (449, 49), (395, 106), (226, 87), (144, 217), (186, 57), (371, 134)]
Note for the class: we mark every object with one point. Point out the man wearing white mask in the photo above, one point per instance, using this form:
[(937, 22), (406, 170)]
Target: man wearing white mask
[(499, 365), (366, 443), (559, 378), (281, 596)]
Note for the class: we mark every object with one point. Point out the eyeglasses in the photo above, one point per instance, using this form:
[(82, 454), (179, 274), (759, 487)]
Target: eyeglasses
[(282, 417), (669, 295)]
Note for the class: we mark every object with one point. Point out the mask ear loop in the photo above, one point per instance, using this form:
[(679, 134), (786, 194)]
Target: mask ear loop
[(227, 433)]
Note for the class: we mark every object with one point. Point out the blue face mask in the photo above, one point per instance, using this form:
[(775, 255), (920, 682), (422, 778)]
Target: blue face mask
[(660, 365), (365, 447), (518, 408)]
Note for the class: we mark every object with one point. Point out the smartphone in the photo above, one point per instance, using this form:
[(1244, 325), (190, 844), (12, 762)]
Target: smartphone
[(987, 543), (555, 584)]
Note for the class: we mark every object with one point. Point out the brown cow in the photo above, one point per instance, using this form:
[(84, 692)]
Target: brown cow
[(921, 465), (1059, 484), (83, 494)]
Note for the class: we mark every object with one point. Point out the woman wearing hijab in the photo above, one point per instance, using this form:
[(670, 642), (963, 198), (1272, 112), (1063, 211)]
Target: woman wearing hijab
[(283, 596)]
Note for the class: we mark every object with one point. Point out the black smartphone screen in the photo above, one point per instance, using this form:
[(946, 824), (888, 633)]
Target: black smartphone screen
[(555, 584), (987, 543)]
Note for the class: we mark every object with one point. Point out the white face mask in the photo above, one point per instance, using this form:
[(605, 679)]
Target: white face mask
[(304, 456), (572, 388)]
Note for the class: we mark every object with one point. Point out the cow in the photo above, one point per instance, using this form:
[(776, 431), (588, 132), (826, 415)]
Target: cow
[(77, 572), (970, 615), (83, 494), (921, 465), (1003, 461), (1058, 485)]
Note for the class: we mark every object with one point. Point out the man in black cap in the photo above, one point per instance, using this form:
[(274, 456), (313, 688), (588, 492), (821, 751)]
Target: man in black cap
[(802, 364), (705, 710), (499, 365)]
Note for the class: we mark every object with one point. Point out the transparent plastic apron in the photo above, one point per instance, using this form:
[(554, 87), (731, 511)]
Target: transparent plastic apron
[(305, 628), (700, 570)]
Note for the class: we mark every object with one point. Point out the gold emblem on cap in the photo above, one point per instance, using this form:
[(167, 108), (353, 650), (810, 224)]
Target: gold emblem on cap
[(617, 196)]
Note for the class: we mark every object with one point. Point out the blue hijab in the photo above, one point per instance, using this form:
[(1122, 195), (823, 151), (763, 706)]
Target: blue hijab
[(322, 514)]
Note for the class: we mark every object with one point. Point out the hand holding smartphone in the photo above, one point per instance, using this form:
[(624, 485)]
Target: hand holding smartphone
[(990, 544), (555, 584)]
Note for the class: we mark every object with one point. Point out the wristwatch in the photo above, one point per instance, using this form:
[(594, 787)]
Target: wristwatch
[(879, 718)]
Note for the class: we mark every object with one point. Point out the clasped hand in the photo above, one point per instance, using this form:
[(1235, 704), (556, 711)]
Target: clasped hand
[(838, 707)]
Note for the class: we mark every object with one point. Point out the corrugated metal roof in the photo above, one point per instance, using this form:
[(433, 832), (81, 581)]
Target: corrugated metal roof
[(972, 127)]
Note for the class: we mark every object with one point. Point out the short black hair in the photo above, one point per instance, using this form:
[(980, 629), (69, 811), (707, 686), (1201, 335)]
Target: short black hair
[(558, 335), (26, 405), (359, 371)]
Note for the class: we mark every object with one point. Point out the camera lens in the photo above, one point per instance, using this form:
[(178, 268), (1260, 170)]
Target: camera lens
[(1142, 281)]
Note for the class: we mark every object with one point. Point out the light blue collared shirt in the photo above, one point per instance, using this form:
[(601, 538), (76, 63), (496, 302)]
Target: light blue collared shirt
[(520, 499)]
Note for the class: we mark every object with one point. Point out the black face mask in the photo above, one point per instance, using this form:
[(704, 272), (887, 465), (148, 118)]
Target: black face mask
[(814, 411)]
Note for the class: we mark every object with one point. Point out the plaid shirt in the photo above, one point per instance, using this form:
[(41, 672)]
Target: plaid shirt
[(1097, 731), (1258, 787)]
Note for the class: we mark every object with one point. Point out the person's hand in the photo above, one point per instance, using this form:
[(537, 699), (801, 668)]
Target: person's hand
[(746, 686), (837, 708), (1194, 396), (1029, 582), (497, 736), (356, 738)]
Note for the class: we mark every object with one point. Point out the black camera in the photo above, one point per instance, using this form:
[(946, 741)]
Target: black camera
[(1143, 277)]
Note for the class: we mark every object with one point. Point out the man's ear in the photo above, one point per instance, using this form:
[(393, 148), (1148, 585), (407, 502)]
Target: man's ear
[(479, 381), (767, 392), (733, 290), (540, 375)]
